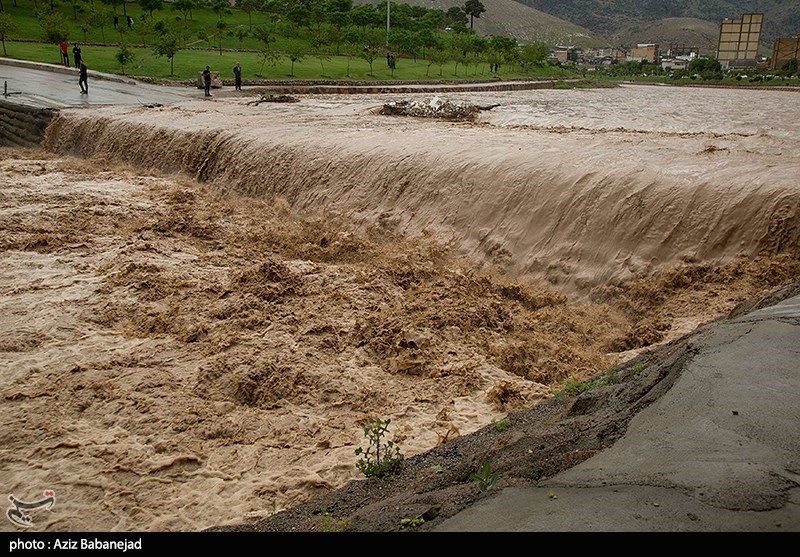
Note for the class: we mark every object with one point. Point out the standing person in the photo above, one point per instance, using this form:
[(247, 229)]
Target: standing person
[(130, 22), (84, 79), (237, 74), (76, 54), (116, 21), (207, 80), (64, 53)]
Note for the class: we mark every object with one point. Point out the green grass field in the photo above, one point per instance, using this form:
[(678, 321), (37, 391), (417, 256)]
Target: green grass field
[(189, 62), (203, 20)]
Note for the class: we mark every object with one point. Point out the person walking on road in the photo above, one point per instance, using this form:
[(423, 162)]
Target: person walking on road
[(207, 80), (237, 74), (64, 54), (76, 54), (84, 79)]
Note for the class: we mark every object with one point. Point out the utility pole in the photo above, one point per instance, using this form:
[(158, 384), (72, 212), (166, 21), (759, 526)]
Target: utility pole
[(388, 22)]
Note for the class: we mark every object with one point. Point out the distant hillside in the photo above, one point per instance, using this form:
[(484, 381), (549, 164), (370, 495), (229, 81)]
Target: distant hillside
[(674, 30), (507, 17), (612, 17)]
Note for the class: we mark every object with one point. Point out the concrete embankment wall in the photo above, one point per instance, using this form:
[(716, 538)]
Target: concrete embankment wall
[(22, 126), (395, 89)]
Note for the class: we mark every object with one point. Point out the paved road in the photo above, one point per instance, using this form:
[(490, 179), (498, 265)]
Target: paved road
[(49, 86), (52, 86), (719, 452)]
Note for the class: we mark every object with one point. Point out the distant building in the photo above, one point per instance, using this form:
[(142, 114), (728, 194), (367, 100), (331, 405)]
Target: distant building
[(565, 54), (738, 41), (679, 63), (605, 54), (644, 52), (784, 51), (680, 50)]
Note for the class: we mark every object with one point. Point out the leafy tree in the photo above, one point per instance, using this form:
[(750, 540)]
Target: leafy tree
[(241, 34), (339, 5), (532, 54), (221, 26), (426, 40), (407, 42), (438, 56), (185, 7), (85, 25), (124, 56), (365, 16), (789, 68), (320, 44), (266, 56), (371, 50), (473, 8), (264, 35), (299, 12), (432, 20), (248, 7), (74, 9), (54, 26), (205, 36), (701, 65), (168, 46), (97, 18), (352, 40), (220, 7), (145, 30), (457, 55), (338, 13), (503, 44), (151, 5), (113, 3), (7, 26), (457, 19), (295, 52), (494, 58)]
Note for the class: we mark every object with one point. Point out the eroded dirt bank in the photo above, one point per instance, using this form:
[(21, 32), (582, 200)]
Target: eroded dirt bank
[(175, 357)]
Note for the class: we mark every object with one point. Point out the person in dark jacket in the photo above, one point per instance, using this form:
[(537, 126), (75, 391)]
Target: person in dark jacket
[(237, 74), (84, 79), (76, 54), (207, 80)]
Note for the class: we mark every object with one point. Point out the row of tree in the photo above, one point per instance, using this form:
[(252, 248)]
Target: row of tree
[(318, 29)]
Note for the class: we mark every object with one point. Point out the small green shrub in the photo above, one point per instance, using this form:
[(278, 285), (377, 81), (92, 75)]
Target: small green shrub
[(501, 425), (329, 524), (380, 457), (638, 367), (485, 477), (574, 388), (412, 522)]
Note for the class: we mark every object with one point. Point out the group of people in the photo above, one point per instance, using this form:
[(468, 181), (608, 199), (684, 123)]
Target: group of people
[(207, 76), (80, 64), (129, 21)]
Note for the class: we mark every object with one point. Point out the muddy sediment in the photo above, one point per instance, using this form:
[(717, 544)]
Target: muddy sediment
[(208, 307)]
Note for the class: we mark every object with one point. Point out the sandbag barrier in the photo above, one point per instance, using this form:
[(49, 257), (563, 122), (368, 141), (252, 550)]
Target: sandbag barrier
[(23, 126)]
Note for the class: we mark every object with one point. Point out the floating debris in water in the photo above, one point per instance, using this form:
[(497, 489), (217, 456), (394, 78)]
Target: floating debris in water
[(274, 99), (433, 108)]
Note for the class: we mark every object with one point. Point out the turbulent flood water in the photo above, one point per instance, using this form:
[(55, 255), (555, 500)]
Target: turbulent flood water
[(201, 309), (587, 198)]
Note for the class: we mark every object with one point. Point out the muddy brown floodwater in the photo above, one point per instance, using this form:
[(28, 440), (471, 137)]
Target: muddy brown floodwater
[(202, 304)]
